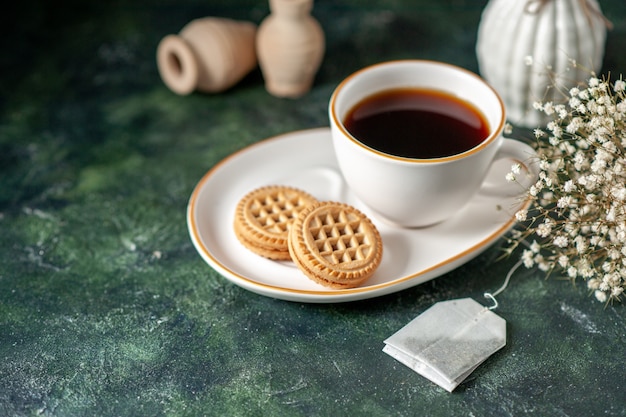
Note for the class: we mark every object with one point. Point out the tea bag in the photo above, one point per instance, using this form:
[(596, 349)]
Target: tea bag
[(448, 341)]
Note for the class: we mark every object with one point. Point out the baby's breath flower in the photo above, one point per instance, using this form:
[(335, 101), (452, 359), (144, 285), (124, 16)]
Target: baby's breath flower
[(543, 230), (535, 247), (593, 284), (521, 215), (527, 259), (574, 102), (584, 95), (565, 201), (560, 241), (577, 212)]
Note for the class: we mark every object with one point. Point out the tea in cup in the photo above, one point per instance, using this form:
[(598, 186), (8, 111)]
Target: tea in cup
[(415, 139)]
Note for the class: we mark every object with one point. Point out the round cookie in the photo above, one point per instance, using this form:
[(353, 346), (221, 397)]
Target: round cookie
[(263, 217), (335, 245)]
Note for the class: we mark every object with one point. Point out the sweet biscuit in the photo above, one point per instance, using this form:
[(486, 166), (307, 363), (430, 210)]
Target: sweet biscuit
[(263, 217), (335, 245)]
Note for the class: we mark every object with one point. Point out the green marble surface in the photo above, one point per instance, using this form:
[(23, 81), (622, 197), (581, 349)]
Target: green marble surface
[(106, 309)]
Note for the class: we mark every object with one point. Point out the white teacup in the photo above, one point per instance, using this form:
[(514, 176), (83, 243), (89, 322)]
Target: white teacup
[(412, 192)]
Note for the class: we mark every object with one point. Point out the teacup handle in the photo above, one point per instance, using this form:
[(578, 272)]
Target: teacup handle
[(517, 152)]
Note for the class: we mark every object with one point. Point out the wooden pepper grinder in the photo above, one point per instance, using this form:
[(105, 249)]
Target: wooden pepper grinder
[(208, 55), (290, 46)]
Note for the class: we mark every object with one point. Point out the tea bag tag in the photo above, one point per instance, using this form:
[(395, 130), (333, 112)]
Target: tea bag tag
[(448, 341)]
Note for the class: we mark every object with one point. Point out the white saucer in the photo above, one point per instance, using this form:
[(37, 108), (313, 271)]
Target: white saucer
[(305, 159)]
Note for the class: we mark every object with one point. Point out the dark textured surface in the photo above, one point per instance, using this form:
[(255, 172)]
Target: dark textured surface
[(106, 308)]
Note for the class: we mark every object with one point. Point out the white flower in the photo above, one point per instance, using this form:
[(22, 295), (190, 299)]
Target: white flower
[(534, 190), (574, 102), (560, 241), (610, 214), (581, 244), (544, 230), (527, 259), (528, 60), (604, 286), (555, 129), (577, 211), (598, 165), (564, 202), (593, 284), (535, 247), (574, 125), (541, 263), (619, 192), (600, 296)]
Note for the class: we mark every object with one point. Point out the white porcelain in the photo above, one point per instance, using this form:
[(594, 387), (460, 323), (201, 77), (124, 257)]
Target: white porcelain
[(552, 33), (306, 159), (419, 192)]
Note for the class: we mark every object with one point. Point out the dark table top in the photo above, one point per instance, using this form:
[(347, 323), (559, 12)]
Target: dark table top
[(107, 309)]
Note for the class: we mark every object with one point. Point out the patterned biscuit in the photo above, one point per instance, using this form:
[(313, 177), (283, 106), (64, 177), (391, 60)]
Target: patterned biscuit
[(335, 245), (263, 217)]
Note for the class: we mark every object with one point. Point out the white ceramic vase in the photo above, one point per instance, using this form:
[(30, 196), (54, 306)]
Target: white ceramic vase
[(524, 47)]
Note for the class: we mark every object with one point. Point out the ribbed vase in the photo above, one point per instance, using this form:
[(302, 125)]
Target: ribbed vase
[(525, 47), (290, 47), (208, 55)]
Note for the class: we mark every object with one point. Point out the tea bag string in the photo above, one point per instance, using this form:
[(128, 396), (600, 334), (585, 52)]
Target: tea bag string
[(492, 295)]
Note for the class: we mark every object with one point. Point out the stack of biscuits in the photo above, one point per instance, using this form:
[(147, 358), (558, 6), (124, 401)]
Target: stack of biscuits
[(334, 244)]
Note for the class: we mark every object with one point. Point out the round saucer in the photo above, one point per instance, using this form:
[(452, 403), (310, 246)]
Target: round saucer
[(305, 159)]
